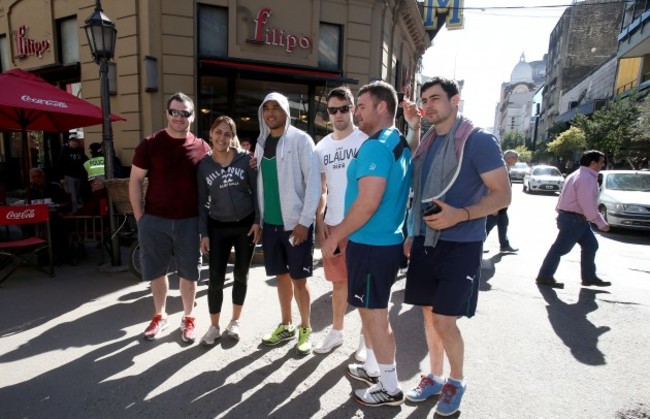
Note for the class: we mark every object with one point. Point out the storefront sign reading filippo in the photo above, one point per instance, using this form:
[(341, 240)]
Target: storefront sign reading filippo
[(26, 47), (267, 35)]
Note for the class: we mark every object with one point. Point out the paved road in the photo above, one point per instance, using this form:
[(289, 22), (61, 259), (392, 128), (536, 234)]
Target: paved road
[(71, 346)]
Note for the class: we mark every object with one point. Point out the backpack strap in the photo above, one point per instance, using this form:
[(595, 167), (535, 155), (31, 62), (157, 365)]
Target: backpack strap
[(399, 147)]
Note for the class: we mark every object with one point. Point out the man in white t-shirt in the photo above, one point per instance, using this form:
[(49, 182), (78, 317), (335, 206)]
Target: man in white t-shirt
[(334, 153)]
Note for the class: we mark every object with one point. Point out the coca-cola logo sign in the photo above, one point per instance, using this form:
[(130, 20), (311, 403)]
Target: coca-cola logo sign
[(26, 214), (46, 102)]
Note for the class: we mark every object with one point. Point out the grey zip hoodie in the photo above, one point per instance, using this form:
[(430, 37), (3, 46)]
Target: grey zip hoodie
[(298, 170), (226, 194)]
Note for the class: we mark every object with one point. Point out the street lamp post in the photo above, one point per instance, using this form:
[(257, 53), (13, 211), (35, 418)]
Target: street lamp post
[(102, 35)]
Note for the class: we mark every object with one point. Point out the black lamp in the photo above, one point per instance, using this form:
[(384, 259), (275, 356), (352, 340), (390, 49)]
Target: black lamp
[(102, 36)]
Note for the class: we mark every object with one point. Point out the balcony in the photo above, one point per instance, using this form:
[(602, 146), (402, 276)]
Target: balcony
[(634, 40)]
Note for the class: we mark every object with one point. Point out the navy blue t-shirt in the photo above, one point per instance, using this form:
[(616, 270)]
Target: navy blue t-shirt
[(482, 154)]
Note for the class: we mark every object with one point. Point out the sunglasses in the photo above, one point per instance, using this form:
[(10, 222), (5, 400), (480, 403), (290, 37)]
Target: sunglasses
[(332, 110), (176, 113)]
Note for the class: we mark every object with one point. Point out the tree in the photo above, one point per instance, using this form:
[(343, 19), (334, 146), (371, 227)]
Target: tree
[(611, 128), (568, 144), (643, 122), (512, 139), (556, 129), (524, 154)]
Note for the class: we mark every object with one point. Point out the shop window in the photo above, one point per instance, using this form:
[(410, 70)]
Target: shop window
[(213, 102), (213, 31), (4, 53), (329, 47), (68, 33)]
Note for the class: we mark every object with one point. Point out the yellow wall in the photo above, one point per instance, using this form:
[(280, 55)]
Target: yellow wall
[(628, 74)]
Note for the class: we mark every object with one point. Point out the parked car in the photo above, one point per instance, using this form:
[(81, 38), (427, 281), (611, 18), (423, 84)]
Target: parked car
[(624, 199), (519, 170), (543, 178)]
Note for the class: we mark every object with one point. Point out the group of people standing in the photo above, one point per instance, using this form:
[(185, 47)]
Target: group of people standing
[(351, 192)]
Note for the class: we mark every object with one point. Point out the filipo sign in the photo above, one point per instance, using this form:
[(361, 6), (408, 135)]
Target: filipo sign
[(268, 35), (26, 47)]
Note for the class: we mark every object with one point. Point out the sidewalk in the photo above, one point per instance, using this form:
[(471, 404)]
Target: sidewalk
[(71, 346)]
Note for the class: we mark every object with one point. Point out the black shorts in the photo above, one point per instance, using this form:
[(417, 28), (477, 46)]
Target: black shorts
[(446, 277), (163, 239), (371, 273), (280, 257)]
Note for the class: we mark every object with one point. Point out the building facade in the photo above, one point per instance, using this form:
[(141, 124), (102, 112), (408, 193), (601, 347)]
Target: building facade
[(589, 94), (583, 39), (226, 54), (633, 52), (513, 112)]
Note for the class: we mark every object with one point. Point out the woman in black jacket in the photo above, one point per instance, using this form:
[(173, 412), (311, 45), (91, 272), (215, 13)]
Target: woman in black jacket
[(228, 216)]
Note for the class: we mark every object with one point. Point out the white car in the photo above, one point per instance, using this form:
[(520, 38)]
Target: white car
[(543, 178), (624, 199)]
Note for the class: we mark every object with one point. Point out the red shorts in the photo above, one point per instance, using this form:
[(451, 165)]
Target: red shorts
[(335, 268)]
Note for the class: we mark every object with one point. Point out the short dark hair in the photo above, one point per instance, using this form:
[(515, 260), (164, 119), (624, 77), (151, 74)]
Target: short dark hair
[(590, 156), (448, 85), (381, 92), (342, 93), (180, 97)]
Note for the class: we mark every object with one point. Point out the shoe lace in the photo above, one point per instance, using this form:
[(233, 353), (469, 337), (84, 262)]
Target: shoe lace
[(424, 383), (448, 392), (189, 323), (155, 321)]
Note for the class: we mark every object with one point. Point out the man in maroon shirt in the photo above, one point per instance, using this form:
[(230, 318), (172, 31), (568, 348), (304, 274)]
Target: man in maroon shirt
[(168, 223)]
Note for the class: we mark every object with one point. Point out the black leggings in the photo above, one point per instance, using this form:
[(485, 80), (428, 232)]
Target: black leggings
[(223, 236)]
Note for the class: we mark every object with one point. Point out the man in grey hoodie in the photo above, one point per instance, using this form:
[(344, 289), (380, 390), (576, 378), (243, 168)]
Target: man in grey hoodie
[(286, 154)]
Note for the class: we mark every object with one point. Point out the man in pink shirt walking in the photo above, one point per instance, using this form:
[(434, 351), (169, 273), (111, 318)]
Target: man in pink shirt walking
[(577, 207)]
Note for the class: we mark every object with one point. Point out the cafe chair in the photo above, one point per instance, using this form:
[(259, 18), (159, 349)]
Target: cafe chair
[(82, 229), (26, 251)]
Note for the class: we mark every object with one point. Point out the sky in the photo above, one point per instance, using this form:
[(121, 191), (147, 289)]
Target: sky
[(485, 51)]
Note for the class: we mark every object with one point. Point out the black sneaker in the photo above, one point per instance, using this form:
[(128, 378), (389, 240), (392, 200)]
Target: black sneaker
[(596, 282), (357, 372), (549, 282), (377, 395)]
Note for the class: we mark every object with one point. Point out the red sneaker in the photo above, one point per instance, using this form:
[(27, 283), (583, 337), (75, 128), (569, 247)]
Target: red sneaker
[(157, 325), (187, 329)]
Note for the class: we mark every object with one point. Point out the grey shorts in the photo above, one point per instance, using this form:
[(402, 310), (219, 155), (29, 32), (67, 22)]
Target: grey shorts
[(163, 240)]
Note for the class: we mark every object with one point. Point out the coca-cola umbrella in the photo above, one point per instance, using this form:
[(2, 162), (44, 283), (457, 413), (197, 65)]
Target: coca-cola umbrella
[(29, 103)]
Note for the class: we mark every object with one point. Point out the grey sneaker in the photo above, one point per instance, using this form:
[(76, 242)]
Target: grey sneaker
[(358, 372), (233, 329), (377, 395), (211, 336)]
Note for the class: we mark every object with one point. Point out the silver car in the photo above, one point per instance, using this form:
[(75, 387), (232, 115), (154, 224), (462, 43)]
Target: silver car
[(519, 170), (543, 178), (624, 199)]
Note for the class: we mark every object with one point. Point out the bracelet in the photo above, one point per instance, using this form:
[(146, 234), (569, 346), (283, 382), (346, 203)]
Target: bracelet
[(467, 211), (414, 128)]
